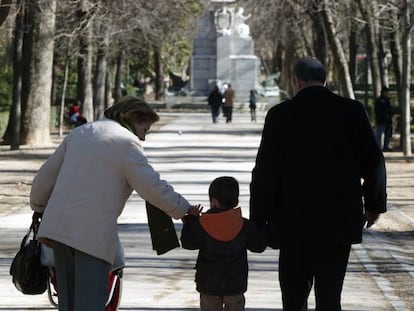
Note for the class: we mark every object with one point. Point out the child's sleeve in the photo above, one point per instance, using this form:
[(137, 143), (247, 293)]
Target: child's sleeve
[(192, 235)]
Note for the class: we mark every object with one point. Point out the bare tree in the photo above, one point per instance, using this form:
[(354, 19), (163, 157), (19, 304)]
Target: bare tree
[(85, 14), (99, 97), (407, 28), (118, 76), (337, 50), (369, 10), (63, 95), (4, 9), (36, 117), (12, 134)]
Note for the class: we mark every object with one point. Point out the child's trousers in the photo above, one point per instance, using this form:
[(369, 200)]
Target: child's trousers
[(222, 303)]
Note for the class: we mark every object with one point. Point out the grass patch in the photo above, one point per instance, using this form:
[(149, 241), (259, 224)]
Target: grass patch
[(4, 119)]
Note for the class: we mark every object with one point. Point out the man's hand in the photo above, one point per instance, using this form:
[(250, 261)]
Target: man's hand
[(370, 218)]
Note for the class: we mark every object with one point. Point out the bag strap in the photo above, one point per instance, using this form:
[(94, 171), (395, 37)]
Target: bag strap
[(36, 218), (34, 226)]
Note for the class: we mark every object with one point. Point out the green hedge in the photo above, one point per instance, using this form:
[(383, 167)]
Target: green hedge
[(4, 118)]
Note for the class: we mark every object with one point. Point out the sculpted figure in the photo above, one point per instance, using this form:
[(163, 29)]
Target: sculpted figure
[(239, 25)]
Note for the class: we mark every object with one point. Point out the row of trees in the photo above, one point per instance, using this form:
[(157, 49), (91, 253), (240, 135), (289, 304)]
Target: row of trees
[(93, 42), (98, 42), (339, 33)]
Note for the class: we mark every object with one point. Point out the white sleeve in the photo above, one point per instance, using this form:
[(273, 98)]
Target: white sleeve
[(147, 183), (45, 179)]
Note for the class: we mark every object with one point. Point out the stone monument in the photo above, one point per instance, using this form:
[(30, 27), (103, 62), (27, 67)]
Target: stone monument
[(223, 51)]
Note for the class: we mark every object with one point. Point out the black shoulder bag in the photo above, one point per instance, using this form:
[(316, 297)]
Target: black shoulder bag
[(28, 274)]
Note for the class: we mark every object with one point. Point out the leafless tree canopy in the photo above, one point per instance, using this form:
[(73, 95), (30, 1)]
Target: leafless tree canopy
[(113, 42)]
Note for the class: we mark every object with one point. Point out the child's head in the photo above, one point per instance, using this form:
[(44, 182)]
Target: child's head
[(225, 190)]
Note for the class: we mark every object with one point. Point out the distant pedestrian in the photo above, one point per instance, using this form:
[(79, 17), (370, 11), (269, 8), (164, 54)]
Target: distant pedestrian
[(383, 119), (222, 237), (215, 101), (306, 188), (229, 95), (252, 105)]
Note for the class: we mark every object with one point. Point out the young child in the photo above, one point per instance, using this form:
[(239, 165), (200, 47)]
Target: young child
[(222, 237)]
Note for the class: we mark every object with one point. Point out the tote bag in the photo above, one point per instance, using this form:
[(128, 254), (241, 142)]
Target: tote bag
[(28, 275)]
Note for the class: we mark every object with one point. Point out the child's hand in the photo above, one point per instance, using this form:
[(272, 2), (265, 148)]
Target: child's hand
[(195, 210)]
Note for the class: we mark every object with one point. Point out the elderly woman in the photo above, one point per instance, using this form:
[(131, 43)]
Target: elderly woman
[(82, 189)]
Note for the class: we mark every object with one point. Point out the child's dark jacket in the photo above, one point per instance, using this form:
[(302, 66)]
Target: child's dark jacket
[(223, 238)]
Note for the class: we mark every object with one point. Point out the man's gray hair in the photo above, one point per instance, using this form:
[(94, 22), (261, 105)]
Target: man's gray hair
[(309, 69)]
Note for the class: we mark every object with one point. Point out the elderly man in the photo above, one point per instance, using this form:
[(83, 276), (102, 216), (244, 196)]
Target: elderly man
[(306, 186)]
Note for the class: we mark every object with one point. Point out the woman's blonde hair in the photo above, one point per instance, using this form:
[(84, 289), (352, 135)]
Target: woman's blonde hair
[(130, 109)]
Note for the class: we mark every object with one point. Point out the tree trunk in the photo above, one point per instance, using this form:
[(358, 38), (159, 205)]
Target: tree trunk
[(63, 96), (368, 12), (337, 51), (395, 48), (159, 75), (320, 36), (286, 70), (118, 76), (84, 85), (12, 134), (406, 78), (100, 83), (353, 50), (383, 66), (4, 10), (28, 37), (108, 88), (36, 118), (353, 45)]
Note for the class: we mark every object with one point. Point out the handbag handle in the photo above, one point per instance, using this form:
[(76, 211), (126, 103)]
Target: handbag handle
[(36, 217)]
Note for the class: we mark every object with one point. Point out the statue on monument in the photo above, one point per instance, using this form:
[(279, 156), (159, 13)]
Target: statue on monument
[(223, 49), (241, 28), (231, 22)]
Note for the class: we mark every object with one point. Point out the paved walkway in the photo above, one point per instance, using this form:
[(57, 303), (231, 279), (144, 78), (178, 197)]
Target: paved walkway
[(189, 152)]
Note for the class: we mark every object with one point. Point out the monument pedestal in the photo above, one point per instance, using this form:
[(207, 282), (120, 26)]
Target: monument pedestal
[(223, 52), (236, 64)]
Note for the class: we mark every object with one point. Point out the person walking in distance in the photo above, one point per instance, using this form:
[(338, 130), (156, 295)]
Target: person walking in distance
[(215, 101), (222, 237), (306, 187), (252, 105), (229, 96), (383, 119)]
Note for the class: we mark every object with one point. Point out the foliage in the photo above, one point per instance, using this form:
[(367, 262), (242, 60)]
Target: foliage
[(6, 88), (141, 64), (4, 116), (6, 71), (177, 55)]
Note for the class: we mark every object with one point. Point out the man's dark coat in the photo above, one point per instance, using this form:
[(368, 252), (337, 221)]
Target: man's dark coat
[(317, 166)]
